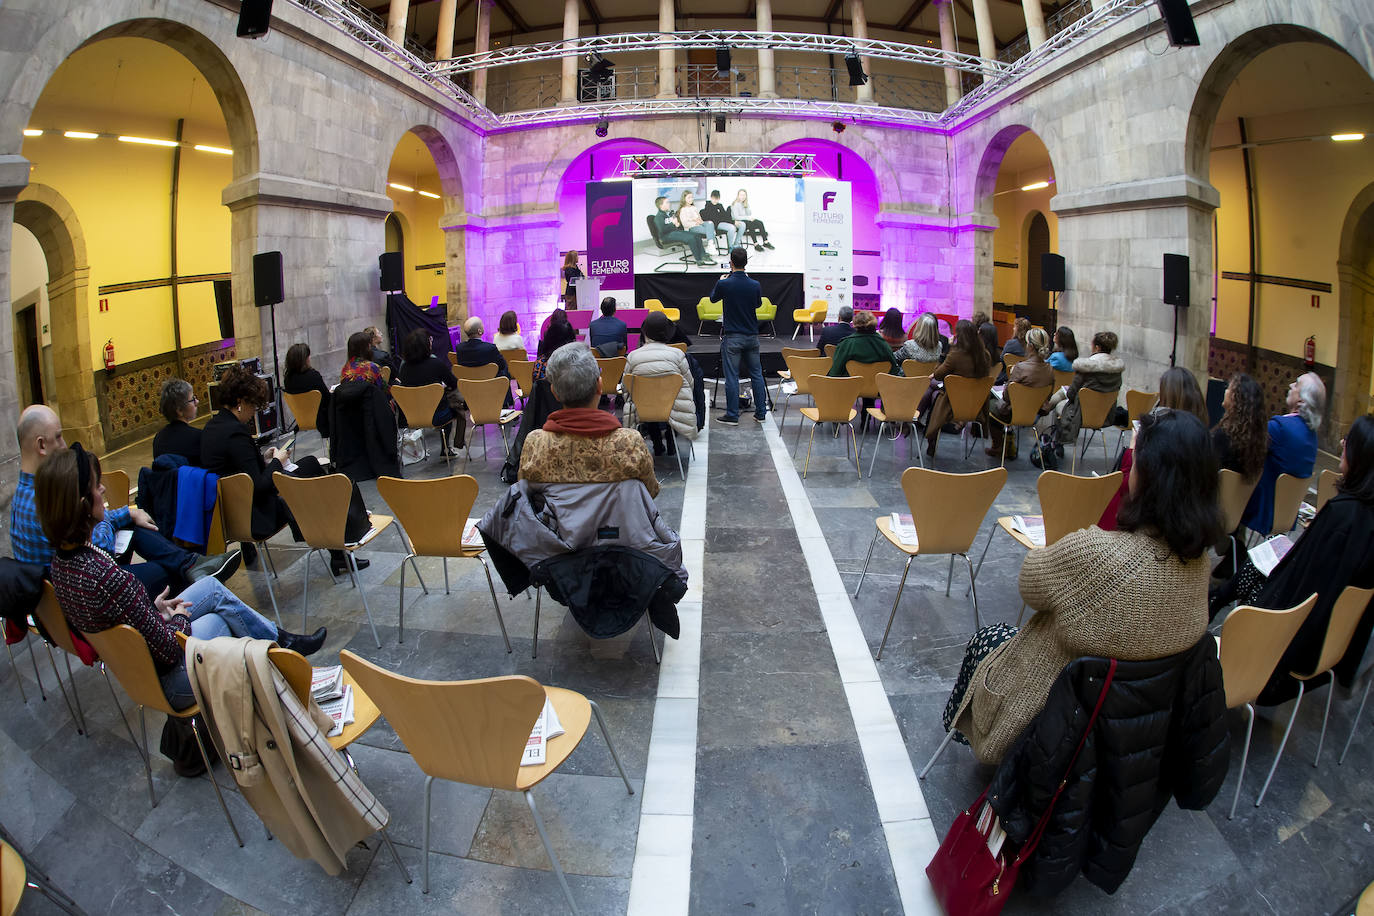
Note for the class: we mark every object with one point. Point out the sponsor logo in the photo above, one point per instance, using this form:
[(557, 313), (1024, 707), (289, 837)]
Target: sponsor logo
[(830, 254), (605, 214)]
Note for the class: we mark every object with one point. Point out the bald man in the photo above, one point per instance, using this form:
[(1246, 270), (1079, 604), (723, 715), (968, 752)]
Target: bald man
[(40, 434), (474, 351)]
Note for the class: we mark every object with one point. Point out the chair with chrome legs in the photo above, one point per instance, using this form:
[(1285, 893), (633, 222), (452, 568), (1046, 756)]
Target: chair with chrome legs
[(834, 397), (1233, 493), (235, 502), (1095, 410), (900, 398), (49, 616), (800, 368)]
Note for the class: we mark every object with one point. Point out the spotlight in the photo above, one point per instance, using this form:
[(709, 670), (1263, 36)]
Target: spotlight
[(857, 76), (601, 70), (722, 60), (603, 127), (837, 126), (720, 124)]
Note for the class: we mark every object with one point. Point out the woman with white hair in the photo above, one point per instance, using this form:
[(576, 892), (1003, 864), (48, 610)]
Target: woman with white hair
[(1292, 447)]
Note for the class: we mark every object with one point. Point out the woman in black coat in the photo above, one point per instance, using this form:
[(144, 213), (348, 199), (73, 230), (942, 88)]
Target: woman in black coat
[(422, 367), (301, 377), (178, 403)]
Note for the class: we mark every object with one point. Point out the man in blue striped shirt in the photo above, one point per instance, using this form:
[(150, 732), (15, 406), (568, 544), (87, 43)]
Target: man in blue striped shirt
[(40, 435)]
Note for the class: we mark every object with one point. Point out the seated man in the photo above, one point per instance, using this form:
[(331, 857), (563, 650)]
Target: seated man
[(40, 435), (717, 214), (670, 231), (474, 351), (834, 333), (608, 334)]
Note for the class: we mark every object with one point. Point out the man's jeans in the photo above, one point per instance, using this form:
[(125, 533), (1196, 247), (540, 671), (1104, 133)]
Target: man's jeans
[(741, 356), (165, 565), (730, 231), (215, 611)]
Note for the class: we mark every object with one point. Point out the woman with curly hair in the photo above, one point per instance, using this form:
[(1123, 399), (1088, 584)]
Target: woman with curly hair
[(1240, 438)]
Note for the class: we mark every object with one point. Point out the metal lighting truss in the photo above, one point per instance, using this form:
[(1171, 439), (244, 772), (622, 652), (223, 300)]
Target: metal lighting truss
[(653, 165), (808, 108)]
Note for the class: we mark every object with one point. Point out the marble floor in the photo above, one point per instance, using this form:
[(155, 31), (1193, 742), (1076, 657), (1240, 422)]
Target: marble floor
[(774, 762)]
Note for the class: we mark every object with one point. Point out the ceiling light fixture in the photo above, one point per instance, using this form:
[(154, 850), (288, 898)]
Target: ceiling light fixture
[(1346, 138), (430, 194), (400, 187), (79, 135), (218, 150), (148, 141), (1036, 186), (32, 132), (603, 127)]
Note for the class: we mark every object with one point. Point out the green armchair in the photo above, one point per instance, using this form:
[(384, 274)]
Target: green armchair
[(768, 312), (708, 311)]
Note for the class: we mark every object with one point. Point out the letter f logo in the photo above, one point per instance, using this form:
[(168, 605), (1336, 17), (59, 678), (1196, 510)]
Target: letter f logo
[(827, 199)]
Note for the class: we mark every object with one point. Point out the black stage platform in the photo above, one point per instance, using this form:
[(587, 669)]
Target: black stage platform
[(705, 348)]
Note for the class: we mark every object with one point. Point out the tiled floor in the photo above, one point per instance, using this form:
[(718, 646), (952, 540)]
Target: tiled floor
[(773, 761)]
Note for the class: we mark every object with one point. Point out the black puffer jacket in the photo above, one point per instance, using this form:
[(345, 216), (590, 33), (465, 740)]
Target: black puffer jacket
[(1161, 734)]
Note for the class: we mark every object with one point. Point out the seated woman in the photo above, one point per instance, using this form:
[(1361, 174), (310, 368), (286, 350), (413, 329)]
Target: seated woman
[(178, 404), (228, 448), (422, 367), (1033, 372), (655, 357), (864, 346), (508, 333), (95, 594), (926, 343), (1240, 439), (967, 358), (1147, 600), (301, 377), (557, 332), (1292, 448), (1016, 346), (1065, 350), (892, 330), (360, 367), (1098, 371)]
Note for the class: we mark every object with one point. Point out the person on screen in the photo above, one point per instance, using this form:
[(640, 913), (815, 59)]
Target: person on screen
[(745, 222), (716, 213), (669, 231), (689, 218)]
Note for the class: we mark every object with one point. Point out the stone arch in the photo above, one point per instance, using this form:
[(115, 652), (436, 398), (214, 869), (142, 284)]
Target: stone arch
[(582, 168), (450, 175), (989, 164), (51, 219), (451, 222), (1351, 395)]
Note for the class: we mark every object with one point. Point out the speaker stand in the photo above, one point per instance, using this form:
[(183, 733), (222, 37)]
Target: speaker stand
[(1173, 351), (276, 373), (1054, 314)]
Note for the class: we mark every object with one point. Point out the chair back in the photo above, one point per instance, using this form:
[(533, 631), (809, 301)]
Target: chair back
[(125, 653), (514, 353), (611, 371), (319, 505), (710, 311), (295, 669), (117, 487), (967, 396), (1010, 359), (797, 351), (1233, 494), (654, 305), (1069, 503), (484, 371), (235, 500), (679, 346), (305, 407), (1095, 407), (14, 879), (767, 311), (1253, 640), (484, 397), (830, 351), (1345, 617), (1026, 402), (869, 373), (1326, 487), (418, 404), (834, 397), (522, 370), (819, 309), (1139, 403), (914, 367), (803, 367), (386, 375), (49, 613), (471, 732), (947, 509), (653, 395), (901, 396), (432, 512), (1062, 378), (1289, 492)]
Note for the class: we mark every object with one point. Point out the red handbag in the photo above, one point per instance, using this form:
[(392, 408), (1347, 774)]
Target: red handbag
[(967, 878)]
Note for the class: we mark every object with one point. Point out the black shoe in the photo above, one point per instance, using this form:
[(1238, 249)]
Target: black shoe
[(767, 244), (220, 565), (759, 247), (930, 448), (297, 642), (250, 554), (728, 420), (671, 445), (339, 566), (758, 419), (658, 448)]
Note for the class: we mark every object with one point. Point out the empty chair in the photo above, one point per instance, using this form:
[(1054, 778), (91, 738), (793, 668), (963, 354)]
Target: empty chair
[(305, 407), (914, 367), (1289, 492), (235, 507), (656, 305), (418, 406), (517, 354), (522, 373), (1095, 412), (834, 397), (767, 313), (900, 398), (810, 316), (801, 369), (1138, 403), (485, 399), (708, 311)]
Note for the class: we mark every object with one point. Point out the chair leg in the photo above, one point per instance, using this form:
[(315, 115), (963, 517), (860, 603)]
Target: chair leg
[(892, 616), (142, 745), (401, 605), (858, 446), (429, 787), (353, 573), (445, 565), (494, 603), (268, 577), (863, 572), (76, 697), (1326, 717), (949, 579), (977, 624), (1244, 756), (944, 743), (386, 838), (876, 445), (195, 730), (653, 641), (806, 467), (19, 681), (677, 452), (33, 657), (1279, 754), (548, 848), (610, 745), (71, 710), (983, 555), (1356, 721), (305, 591), (534, 642)]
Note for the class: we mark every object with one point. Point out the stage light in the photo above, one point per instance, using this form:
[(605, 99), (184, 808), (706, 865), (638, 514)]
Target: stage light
[(603, 127), (601, 70), (430, 194), (1339, 138), (217, 150), (722, 60), (79, 135), (148, 141), (837, 126), (32, 132), (400, 187), (857, 76), (720, 124)]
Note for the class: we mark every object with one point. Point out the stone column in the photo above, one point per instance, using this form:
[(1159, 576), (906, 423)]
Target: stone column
[(864, 93), (443, 42), (570, 23), (396, 21), (982, 22), (481, 42), (667, 57), (768, 80), (1035, 23), (946, 16)]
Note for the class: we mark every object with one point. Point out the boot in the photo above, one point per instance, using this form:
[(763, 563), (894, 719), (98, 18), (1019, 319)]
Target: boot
[(297, 642), (338, 563)]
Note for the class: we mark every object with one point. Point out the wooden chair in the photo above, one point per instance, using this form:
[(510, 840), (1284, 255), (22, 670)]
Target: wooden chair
[(320, 507), (305, 407), (486, 400), (116, 488), (914, 367), (14, 879), (1345, 617), (518, 353), (1289, 492), (1138, 404), (612, 370), (522, 373), (295, 668), (1233, 494), (653, 397), (1025, 404), (810, 316), (1251, 643), (869, 373), (801, 368), (123, 650), (432, 515), (418, 406), (1062, 378), (830, 351), (476, 732), (709, 311), (234, 501), (656, 305), (946, 510), (48, 613), (968, 397), (679, 346), (1326, 487), (900, 397), (1009, 360), (484, 371), (834, 399), (1094, 412)]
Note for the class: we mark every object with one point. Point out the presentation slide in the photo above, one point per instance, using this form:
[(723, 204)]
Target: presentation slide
[(676, 220)]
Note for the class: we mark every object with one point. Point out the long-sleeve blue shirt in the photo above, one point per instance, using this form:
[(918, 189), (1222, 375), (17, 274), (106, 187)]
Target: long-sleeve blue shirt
[(30, 544)]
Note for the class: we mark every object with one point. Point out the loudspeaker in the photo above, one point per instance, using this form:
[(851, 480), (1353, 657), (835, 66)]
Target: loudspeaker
[(254, 18), (393, 267), (720, 124), (224, 307), (267, 279), (1052, 272), (722, 60), (857, 76), (1176, 279), (1178, 19)]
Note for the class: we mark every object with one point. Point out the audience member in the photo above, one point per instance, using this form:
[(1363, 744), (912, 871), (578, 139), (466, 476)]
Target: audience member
[(608, 335), (891, 329), (178, 404), (967, 358), (654, 357), (927, 344), (474, 351), (1241, 437), (1099, 371), (557, 332), (96, 595), (376, 353), (508, 333), (1033, 372), (834, 333), (1016, 346), (1065, 350), (1292, 447), (422, 367), (1148, 598), (360, 366), (987, 332), (864, 346), (301, 377)]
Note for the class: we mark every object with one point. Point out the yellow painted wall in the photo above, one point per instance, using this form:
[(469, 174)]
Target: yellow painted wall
[(413, 166), (1013, 210)]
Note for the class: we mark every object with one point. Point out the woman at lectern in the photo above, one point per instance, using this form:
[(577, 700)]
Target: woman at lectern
[(745, 222), (571, 272)]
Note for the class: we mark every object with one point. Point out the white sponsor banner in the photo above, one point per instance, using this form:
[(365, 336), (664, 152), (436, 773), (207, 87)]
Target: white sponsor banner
[(828, 215)]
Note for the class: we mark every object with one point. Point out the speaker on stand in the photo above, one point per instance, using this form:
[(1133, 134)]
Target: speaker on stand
[(393, 270), (1052, 281), (268, 290), (1175, 291)]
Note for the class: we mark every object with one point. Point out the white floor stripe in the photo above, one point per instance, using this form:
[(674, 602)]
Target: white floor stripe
[(911, 838), (661, 879)]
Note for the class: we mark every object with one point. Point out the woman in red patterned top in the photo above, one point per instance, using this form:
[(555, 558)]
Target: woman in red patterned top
[(95, 594), (360, 367)]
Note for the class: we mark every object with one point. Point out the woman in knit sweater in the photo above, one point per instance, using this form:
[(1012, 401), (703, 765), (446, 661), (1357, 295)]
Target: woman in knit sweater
[(1134, 594)]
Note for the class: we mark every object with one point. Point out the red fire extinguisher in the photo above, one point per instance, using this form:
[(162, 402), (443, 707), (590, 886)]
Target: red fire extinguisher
[(109, 355), (1309, 351)]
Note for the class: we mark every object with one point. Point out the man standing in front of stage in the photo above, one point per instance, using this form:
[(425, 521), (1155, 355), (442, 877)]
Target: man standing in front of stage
[(742, 296)]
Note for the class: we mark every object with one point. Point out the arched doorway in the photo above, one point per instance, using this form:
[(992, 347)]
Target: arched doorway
[(423, 184), (1037, 246), (395, 235), (1354, 392), (1013, 190)]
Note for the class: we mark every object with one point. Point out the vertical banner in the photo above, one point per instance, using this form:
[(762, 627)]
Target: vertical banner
[(610, 241), (829, 243)]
